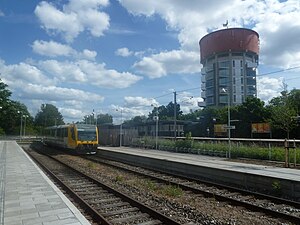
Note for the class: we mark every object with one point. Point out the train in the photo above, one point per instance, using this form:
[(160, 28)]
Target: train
[(78, 138)]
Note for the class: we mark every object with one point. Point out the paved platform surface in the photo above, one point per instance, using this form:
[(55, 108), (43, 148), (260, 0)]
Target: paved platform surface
[(27, 196), (215, 162)]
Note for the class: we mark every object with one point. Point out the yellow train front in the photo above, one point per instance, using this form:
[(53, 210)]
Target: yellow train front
[(79, 138)]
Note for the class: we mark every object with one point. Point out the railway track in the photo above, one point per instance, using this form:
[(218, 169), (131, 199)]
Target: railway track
[(102, 203), (270, 205)]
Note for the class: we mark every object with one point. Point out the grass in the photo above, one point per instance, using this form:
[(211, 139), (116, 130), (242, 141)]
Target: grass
[(238, 150), (172, 191)]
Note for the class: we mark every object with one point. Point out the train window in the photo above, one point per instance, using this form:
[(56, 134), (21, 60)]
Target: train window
[(87, 134), (65, 132), (58, 132)]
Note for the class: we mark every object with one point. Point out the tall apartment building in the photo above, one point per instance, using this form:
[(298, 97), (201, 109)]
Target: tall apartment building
[(229, 58)]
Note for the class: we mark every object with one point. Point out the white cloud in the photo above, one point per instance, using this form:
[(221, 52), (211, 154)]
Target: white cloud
[(124, 52), (20, 74), (277, 22), (53, 93), (88, 72), (139, 101), (71, 114), (98, 75), (55, 49), (74, 18), (268, 88), (1, 13), (188, 102), (51, 48), (88, 54), (127, 112), (172, 62)]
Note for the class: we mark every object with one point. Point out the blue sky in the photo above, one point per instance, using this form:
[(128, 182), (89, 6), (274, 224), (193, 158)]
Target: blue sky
[(81, 55)]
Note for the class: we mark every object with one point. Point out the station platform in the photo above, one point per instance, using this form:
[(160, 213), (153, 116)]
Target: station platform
[(28, 196), (265, 179)]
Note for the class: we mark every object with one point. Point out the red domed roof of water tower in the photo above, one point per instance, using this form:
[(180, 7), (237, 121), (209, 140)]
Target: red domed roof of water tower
[(229, 40)]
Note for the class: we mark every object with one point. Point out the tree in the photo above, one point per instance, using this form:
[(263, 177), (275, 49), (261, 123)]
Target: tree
[(136, 120), (48, 116), (104, 119), (251, 111), (284, 109), (11, 112), (166, 112), (283, 117), (4, 92), (293, 99)]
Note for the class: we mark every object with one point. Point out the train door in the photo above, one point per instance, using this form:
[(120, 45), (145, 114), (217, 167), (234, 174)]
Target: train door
[(72, 137)]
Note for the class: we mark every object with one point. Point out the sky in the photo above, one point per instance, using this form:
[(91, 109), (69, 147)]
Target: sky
[(122, 57)]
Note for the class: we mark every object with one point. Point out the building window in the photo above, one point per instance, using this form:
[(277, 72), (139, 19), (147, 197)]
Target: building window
[(251, 90), (223, 81), (251, 81), (224, 64), (223, 98), (209, 83), (209, 100), (210, 75), (210, 91), (242, 80), (251, 72), (233, 63), (241, 63), (223, 72)]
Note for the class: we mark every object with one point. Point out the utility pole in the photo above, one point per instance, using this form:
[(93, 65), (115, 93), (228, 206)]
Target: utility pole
[(175, 116)]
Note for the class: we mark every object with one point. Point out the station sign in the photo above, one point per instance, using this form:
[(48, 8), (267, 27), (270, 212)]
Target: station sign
[(229, 127)]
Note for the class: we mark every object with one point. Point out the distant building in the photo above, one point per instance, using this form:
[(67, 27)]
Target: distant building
[(229, 58), (109, 134)]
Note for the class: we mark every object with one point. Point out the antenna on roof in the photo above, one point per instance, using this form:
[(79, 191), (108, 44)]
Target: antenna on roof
[(225, 24)]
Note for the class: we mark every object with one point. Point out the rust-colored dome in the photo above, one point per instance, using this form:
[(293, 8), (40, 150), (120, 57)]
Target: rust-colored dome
[(232, 39)]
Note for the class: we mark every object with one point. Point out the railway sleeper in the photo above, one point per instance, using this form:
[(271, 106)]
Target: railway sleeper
[(113, 205), (120, 211), (130, 219), (103, 201)]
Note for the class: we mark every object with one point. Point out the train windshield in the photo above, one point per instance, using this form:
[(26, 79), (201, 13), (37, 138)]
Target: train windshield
[(87, 133)]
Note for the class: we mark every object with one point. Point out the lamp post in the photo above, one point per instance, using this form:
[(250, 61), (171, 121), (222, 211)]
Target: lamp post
[(19, 112), (156, 125), (25, 116), (121, 125), (228, 125)]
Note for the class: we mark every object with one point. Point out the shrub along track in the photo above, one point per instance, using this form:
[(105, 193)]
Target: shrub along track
[(186, 206)]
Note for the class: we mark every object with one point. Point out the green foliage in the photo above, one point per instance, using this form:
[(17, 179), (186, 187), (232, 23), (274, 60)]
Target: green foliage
[(12, 113), (2, 132), (276, 186), (172, 191), (166, 112), (186, 143), (283, 118), (136, 120), (238, 150), (104, 119), (150, 185), (119, 178), (48, 116)]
